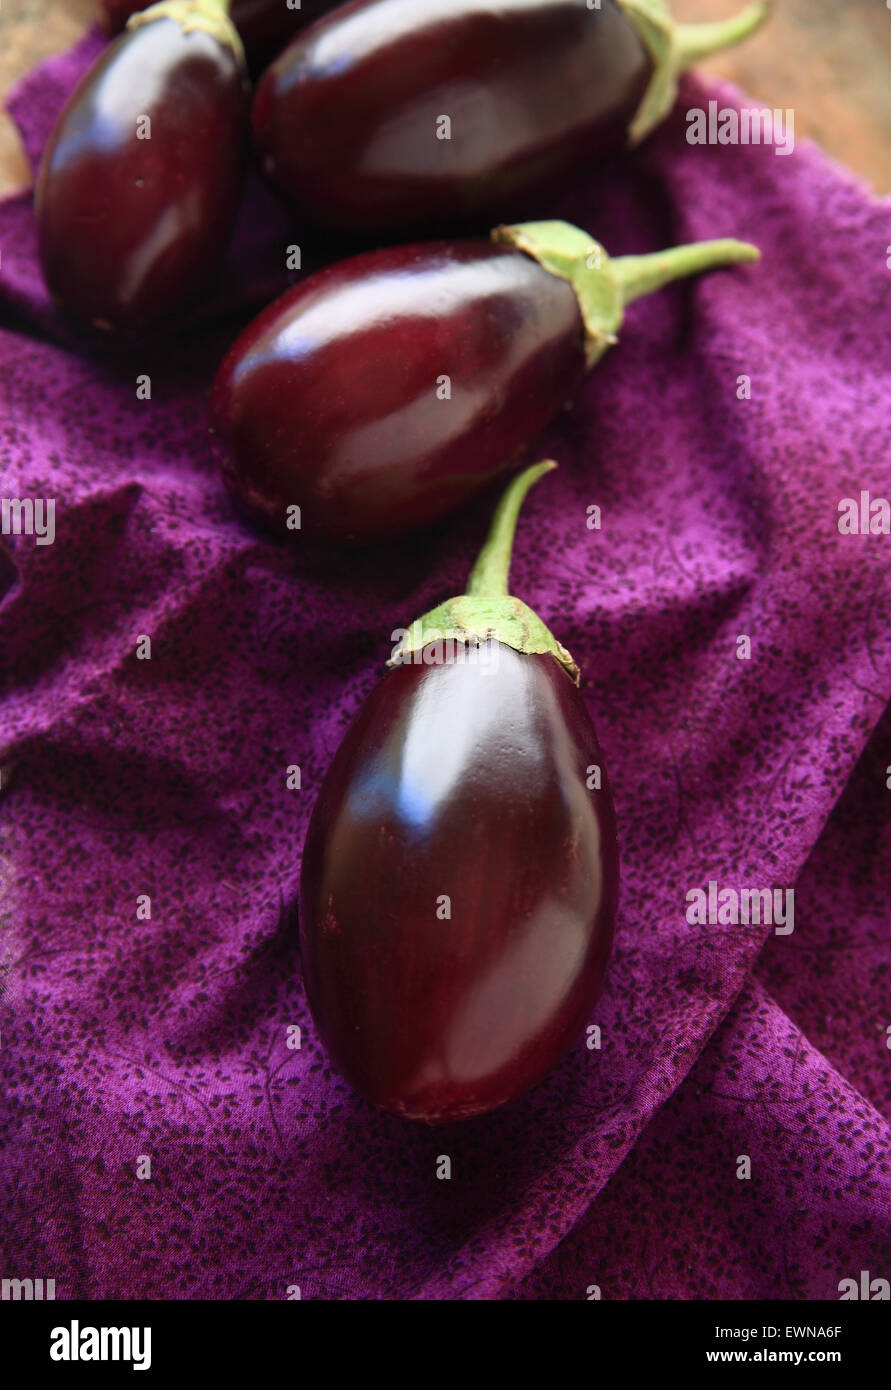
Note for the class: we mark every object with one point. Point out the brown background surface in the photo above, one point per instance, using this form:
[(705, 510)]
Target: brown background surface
[(830, 60)]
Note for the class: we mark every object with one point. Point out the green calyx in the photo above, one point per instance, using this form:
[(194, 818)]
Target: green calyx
[(674, 47), (211, 16), (487, 611), (604, 284)]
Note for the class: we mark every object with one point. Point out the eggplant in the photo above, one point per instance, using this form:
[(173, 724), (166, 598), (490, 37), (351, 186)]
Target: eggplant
[(460, 874), (139, 185), (382, 392), (396, 117)]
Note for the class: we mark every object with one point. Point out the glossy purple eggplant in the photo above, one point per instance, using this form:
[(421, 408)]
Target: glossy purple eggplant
[(391, 116), (265, 26), (460, 873), (382, 392), (139, 184)]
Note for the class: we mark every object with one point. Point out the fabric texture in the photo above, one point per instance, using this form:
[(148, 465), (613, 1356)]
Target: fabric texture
[(167, 1037)]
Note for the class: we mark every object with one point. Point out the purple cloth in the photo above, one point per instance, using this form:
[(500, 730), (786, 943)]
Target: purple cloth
[(168, 1037)]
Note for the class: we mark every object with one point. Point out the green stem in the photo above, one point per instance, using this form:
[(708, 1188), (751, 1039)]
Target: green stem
[(638, 275), (489, 576), (696, 41), (487, 611), (673, 47), (604, 285), (209, 16)]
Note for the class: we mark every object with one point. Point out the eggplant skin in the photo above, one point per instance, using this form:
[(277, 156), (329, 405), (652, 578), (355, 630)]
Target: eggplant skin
[(459, 884), (348, 121)]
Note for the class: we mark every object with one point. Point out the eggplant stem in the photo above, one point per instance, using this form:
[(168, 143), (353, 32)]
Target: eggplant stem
[(489, 576), (696, 41), (638, 275), (208, 16)]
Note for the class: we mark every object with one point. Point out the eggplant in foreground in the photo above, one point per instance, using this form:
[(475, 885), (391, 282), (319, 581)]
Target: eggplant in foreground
[(460, 873)]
